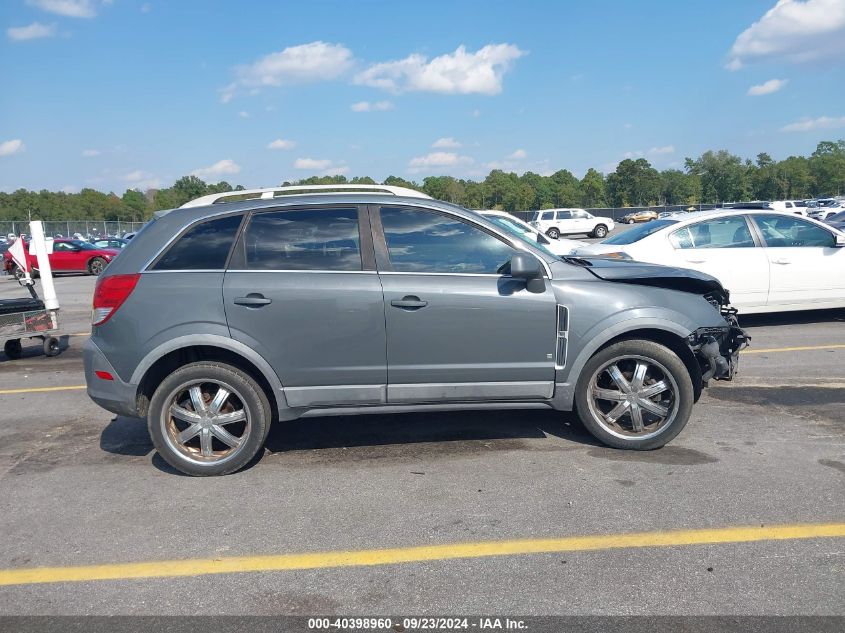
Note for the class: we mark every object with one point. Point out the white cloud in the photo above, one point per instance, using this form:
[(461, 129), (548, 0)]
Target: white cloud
[(281, 143), (767, 87), (7, 148), (435, 160), (475, 114), (312, 163), (146, 7), (317, 61), (243, 114), (90, 153), (226, 167), (820, 123), (33, 31), (447, 142), (460, 72), (140, 179), (518, 155), (366, 106), (654, 151), (798, 31), (322, 166), (68, 8)]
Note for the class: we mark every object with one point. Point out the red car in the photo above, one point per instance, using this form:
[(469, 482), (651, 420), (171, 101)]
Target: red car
[(68, 256)]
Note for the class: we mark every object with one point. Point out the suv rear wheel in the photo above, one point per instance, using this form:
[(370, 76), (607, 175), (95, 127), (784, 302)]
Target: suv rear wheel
[(635, 394), (600, 231), (553, 233), (208, 419)]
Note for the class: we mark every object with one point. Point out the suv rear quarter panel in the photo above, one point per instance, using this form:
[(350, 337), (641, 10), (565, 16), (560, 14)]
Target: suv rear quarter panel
[(163, 306)]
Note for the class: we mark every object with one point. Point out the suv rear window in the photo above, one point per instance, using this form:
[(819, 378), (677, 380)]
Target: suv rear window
[(313, 239), (206, 246)]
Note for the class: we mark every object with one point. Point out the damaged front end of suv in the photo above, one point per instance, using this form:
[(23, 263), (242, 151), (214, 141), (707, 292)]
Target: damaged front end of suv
[(717, 348)]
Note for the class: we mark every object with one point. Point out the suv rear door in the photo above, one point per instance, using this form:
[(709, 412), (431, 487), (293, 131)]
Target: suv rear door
[(458, 329), (302, 289)]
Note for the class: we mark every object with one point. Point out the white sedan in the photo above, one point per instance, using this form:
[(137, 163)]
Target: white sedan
[(559, 247), (769, 261)]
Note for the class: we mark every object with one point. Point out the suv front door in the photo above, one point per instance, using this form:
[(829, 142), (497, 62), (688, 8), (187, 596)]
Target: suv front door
[(459, 328), (303, 291)]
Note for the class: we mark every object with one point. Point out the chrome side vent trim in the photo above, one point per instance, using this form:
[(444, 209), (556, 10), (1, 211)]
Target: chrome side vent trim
[(562, 336)]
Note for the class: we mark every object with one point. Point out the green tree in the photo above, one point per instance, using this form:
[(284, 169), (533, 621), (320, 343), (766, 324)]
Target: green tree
[(827, 165), (634, 183), (592, 189), (724, 176)]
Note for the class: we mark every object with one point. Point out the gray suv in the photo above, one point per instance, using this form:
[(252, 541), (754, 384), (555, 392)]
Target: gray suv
[(235, 311)]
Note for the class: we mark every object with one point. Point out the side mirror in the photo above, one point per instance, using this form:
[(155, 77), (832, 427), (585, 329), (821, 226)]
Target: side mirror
[(526, 267)]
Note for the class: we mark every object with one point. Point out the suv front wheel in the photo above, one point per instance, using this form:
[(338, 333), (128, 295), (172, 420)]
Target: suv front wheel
[(208, 418), (635, 394), (553, 233)]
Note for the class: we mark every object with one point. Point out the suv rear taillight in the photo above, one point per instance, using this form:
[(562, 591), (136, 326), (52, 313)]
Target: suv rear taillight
[(109, 294)]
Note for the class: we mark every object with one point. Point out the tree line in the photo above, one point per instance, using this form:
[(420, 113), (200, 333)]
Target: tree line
[(713, 177)]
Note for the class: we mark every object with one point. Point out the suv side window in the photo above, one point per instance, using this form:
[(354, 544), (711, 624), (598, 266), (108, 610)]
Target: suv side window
[(730, 232), (548, 215), (310, 239), (787, 231), (564, 215), (425, 241), (580, 214), (205, 246)]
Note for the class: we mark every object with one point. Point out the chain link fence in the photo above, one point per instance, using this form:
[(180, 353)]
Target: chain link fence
[(88, 229)]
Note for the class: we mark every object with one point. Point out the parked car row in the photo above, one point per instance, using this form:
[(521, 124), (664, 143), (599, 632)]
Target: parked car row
[(769, 260)]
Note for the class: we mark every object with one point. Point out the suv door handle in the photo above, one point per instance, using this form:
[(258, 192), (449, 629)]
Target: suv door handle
[(409, 302), (782, 260), (253, 300), (696, 261)]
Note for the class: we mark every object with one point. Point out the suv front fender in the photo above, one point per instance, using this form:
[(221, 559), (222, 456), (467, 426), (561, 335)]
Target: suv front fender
[(597, 337)]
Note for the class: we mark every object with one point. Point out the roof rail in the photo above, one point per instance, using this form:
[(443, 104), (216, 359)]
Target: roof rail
[(270, 192)]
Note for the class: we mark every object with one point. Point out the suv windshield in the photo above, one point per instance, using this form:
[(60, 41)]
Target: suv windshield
[(639, 232)]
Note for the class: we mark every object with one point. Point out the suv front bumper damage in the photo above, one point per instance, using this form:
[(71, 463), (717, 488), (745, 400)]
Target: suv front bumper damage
[(717, 349)]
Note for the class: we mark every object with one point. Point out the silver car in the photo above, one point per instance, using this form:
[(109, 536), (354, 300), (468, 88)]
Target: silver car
[(250, 307)]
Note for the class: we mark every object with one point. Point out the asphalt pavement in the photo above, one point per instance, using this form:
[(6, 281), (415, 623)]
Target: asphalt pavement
[(81, 487)]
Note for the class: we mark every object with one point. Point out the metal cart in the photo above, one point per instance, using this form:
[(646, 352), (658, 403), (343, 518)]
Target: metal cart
[(28, 318)]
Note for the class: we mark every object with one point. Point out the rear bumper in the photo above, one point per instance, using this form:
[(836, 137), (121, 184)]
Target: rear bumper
[(113, 395)]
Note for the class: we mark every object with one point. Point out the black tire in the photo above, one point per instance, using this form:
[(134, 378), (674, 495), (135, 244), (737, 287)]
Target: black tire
[(96, 266), (13, 348), (553, 233), (249, 394), (683, 395), (630, 222), (17, 272), (51, 346), (600, 231)]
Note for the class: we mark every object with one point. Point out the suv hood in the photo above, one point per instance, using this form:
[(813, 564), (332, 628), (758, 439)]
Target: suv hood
[(669, 277)]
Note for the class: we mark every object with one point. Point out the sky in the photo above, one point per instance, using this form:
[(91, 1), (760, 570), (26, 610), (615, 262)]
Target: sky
[(117, 94)]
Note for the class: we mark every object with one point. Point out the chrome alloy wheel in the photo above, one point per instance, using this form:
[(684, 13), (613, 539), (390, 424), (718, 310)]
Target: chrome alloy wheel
[(633, 397), (205, 422)]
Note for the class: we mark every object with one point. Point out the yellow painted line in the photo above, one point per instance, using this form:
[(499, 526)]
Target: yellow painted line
[(81, 334), (40, 389), (367, 558), (804, 348)]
